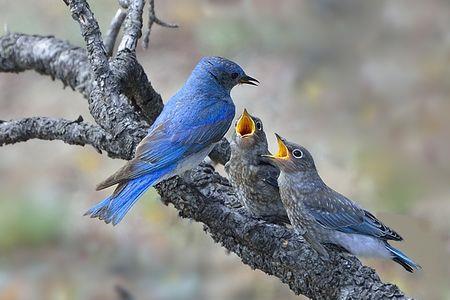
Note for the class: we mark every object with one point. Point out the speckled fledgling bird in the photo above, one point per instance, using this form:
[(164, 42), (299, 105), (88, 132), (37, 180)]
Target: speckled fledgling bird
[(192, 121), (323, 215), (253, 178)]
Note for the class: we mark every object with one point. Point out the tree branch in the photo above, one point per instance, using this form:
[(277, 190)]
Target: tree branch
[(153, 19), (132, 27), (136, 86), (90, 31), (109, 109), (113, 31), (46, 55), (71, 132)]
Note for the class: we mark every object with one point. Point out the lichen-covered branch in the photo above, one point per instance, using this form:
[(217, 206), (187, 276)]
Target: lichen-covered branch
[(135, 85), (90, 31), (46, 55), (110, 109), (133, 25), (75, 132)]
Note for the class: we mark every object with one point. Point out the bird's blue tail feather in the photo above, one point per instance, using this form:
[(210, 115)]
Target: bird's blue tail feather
[(401, 258), (114, 208)]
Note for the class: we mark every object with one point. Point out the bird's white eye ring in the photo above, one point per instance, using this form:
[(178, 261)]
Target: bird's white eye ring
[(297, 153), (258, 125)]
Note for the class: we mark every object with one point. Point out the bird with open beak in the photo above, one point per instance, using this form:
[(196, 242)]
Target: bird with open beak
[(322, 215), (252, 176)]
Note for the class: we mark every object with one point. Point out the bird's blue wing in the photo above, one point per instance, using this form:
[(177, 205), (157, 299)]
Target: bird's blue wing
[(334, 211), (374, 227), (171, 140)]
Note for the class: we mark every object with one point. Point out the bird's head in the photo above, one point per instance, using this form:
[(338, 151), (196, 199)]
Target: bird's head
[(225, 72), (249, 133), (292, 158)]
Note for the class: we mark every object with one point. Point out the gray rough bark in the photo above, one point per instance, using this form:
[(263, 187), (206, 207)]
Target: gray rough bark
[(123, 104)]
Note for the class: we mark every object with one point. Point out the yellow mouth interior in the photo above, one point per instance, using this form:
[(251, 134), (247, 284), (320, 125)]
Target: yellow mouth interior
[(245, 125), (282, 149)]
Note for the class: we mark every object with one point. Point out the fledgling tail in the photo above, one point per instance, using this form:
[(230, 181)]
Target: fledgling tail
[(401, 258), (114, 208)]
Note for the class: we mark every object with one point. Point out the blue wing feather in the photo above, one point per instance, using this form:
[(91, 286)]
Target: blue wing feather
[(168, 143), (334, 211)]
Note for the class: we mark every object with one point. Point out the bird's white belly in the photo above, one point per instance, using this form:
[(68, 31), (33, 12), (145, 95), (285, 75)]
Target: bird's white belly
[(362, 245)]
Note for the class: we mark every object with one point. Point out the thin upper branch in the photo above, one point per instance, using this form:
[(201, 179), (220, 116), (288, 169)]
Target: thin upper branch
[(74, 132), (113, 31), (133, 25), (153, 19), (90, 31)]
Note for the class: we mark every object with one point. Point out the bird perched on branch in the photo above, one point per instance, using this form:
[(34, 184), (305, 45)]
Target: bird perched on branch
[(322, 215), (192, 121), (254, 178)]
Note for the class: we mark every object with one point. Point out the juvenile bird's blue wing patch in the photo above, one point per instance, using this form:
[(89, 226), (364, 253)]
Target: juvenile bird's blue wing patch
[(334, 211), (372, 226)]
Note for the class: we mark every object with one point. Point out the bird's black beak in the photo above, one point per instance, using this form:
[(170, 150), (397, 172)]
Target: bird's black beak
[(248, 80)]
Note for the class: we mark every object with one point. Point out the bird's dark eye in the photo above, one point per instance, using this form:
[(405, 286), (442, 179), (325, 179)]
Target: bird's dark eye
[(234, 75), (297, 153), (258, 125)]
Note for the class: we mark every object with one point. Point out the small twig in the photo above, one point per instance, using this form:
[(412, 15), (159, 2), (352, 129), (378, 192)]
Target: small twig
[(78, 120), (113, 31), (152, 18)]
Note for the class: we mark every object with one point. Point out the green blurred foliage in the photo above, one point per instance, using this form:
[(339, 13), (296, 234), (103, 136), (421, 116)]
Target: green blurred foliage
[(29, 223)]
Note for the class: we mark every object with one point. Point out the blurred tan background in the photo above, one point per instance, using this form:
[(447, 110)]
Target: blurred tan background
[(365, 85)]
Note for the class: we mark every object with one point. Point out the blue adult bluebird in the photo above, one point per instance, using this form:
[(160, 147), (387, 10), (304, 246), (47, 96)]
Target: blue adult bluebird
[(322, 215), (192, 121)]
